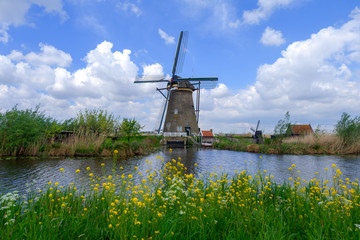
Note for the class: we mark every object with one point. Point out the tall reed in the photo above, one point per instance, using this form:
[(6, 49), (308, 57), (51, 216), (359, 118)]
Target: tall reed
[(327, 143)]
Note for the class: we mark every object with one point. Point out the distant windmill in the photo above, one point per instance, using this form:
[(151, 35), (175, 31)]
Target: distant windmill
[(181, 116), (257, 137)]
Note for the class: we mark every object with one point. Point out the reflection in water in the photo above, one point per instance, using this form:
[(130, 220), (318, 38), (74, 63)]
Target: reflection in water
[(15, 174)]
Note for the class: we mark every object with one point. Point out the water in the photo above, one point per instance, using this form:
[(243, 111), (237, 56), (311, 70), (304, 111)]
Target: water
[(17, 174)]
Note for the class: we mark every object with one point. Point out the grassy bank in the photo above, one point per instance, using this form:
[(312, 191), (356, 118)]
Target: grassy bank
[(31, 133), (170, 204), (329, 144), (103, 146), (91, 145)]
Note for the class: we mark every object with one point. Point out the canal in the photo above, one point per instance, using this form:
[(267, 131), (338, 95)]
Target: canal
[(22, 174)]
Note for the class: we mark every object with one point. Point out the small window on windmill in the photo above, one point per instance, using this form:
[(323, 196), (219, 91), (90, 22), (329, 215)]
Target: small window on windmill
[(176, 111), (179, 128)]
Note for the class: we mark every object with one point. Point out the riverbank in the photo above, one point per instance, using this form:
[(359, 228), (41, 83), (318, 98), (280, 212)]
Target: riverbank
[(171, 204), (326, 144), (92, 146)]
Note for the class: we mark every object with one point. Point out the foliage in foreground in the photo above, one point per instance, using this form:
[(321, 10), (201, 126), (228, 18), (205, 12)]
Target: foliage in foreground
[(170, 204)]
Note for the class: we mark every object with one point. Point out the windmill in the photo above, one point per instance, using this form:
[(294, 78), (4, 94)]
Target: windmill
[(181, 115), (257, 137)]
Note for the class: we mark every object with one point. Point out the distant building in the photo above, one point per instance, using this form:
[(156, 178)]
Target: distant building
[(300, 130), (207, 138)]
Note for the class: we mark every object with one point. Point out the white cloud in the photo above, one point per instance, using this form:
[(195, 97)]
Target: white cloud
[(4, 36), (106, 82), (168, 39), (126, 6), (264, 10), (153, 70), (315, 80), (272, 37), (13, 13), (49, 55)]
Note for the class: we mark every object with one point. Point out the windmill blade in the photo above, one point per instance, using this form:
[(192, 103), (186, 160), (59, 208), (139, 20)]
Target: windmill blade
[(180, 48), (182, 53), (150, 81), (164, 110), (205, 83), (197, 110), (205, 79), (257, 126), (252, 129)]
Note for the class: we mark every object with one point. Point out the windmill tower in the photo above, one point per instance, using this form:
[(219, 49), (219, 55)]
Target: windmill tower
[(257, 137), (182, 116)]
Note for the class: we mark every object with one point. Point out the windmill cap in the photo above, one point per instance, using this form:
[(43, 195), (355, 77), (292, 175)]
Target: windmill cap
[(185, 84)]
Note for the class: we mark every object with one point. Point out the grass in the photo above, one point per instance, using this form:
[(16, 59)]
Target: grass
[(329, 144), (93, 145), (171, 204), (233, 143), (325, 143)]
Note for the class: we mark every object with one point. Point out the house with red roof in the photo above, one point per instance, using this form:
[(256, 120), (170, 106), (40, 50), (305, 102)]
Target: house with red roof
[(301, 130), (207, 138)]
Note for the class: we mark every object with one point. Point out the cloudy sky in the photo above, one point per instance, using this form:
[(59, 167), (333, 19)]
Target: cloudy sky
[(271, 56)]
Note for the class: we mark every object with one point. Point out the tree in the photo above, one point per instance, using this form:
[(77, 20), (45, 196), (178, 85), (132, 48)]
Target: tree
[(20, 129), (282, 128), (95, 121), (348, 129), (130, 128)]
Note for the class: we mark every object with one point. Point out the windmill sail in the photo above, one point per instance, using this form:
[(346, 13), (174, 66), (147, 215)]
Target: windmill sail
[(158, 124), (178, 112), (182, 53), (177, 53), (164, 110)]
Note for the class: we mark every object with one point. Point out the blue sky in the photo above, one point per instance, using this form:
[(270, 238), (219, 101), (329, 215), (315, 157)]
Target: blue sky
[(271, 56)]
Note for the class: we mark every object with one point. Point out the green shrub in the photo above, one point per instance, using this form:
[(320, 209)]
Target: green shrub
[(282, 128), (130, 128), (56, 145), (108, 144), (85, 151), (135, 145), (95, 121), (348, 129), (21, 129)]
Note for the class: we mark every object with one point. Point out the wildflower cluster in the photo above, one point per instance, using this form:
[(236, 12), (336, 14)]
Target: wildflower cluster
[(174, 204)]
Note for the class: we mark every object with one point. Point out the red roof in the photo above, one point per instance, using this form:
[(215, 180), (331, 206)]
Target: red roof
[(301, 129), (207, 134)]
